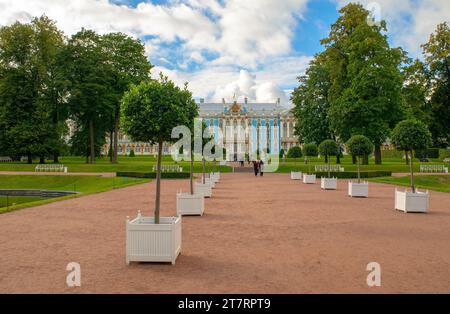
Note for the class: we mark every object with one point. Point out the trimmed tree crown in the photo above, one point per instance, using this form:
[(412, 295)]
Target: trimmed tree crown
[(359, 145), (411, 135), (153, 108), (310, 150), (328, 148), (295, 152)]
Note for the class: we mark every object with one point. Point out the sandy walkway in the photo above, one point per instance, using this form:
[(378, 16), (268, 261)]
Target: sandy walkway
[(259, 235)]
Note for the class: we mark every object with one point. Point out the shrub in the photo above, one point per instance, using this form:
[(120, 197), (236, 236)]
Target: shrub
[(132, 153), (444, 153), (295, 152), (354, 175), (152, 175), (310, 150)]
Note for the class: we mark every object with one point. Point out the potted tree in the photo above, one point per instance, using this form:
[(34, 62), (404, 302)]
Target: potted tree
[(309, 150), (410, 135), (328, 148), (215, 175), (359, 146), (191, 203), (150, 111), (295, 152), (205, 186)]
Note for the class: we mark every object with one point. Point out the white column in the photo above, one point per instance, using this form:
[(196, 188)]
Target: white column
[(288, 129)]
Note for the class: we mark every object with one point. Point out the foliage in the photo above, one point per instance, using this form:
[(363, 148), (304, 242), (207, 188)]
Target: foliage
[(353, 175), (152, 175), (132, 154), (359, 145), (328, 148), (411, 135), (295, 152), (310, 150)]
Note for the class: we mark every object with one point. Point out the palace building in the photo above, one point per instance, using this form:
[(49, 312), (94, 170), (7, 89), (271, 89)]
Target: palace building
[(238, 127)]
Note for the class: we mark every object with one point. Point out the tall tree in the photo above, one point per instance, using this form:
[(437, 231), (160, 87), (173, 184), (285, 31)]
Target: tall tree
[(437, 58), (365, 92), (90, 82), (129, 65), (28, 81)]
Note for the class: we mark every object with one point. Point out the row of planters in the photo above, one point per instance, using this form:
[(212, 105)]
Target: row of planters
[(150, 112), (408, 136)]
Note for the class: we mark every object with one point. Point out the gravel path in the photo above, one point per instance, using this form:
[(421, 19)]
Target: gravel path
[(258, 235)]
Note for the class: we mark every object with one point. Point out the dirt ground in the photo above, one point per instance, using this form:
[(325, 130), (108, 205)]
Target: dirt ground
[(258, 235)]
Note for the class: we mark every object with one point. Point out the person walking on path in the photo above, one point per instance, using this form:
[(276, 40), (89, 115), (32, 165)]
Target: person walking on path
[(261, 168), (255, 167)]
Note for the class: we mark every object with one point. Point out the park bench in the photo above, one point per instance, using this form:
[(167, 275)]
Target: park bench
[(5, 159), (332, 168), (434, 168), (50, 168), (169, 168)]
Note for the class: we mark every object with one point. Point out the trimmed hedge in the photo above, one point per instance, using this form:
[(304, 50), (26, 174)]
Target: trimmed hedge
[(354, 174), (427, 153), (152, 175), (444, 153)]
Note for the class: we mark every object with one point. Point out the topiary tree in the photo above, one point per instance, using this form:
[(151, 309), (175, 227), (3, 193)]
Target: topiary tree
[(409, 135), (132, 154), (359, 146), (328, 148), (295, 152), (150, 111), (310, 150)]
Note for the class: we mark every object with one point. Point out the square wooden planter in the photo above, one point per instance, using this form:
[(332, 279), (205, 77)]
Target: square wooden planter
[(356, 189), (328, 183), (150, 242), (296, 175), (203, 189), (215, 176), (211, 182), (309, 178), (190, 204), (410, 202)]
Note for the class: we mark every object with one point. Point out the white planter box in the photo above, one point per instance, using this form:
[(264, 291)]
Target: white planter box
[(410, 202), (296, 175), (356, 189), (211, 182), (328, 183), (150, 242), (190, 204), (215, 176), (309, 178), (203, 189)]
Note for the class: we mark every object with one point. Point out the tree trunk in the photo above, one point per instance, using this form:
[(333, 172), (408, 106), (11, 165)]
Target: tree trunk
[(406, 157), (411, 170), (158, 182), (191, 177), (42, 160), (56, 157), (111, 150), (377, 154), (328, 164), (354, 160), (366, 160), (91, 142), (204, 171), (29, 158), (116, 136), (338, 158), (359, 176), (326, 159)]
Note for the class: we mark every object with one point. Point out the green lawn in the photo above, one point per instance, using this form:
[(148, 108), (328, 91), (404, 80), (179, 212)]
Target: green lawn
[(83, 184), (430, 182), (126, 164)]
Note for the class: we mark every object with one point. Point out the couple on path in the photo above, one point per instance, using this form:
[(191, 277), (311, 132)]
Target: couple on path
[(258, 167)]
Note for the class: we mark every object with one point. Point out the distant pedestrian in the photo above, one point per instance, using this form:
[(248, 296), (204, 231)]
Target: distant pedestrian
[(261, 168), (255, 167)]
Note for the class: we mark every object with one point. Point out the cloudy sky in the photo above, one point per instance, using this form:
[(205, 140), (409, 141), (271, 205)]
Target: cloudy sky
[(253, 48)]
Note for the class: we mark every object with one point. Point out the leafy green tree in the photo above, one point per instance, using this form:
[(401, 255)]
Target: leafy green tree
[(310, 150), (311, 103), (150, 111), (359, 146), (410, 135), (30, 89), (128, 65), (90, 85), (365, 91), (295, 152), (437, 58), (328, 148)]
